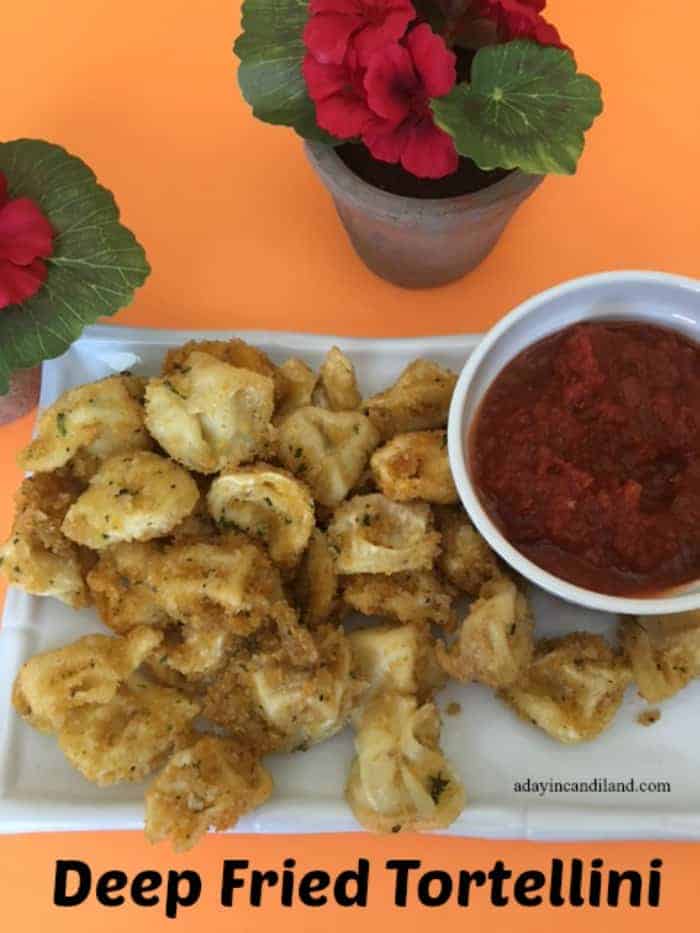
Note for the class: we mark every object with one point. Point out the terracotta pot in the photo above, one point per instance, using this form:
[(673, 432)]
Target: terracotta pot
[(23, 394), (415, 242)]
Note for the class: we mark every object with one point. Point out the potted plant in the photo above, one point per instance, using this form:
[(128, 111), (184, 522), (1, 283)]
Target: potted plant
[(65, 260), (429, 121)]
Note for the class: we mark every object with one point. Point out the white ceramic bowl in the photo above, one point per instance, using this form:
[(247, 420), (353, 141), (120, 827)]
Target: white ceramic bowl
[(652, 297)]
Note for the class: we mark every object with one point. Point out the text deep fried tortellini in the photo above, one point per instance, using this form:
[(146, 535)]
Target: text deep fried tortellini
[(227, 580), (415, 596), (209, 415), (51, 686), (415, 466), (37, 556), (316, 583), (268, 504), (419, 400), (396, 659), (128, 737), (120, 590), (465, 558), (88, 424), (495, 642), (664, 652), (328, 450), (278, 701), (572, 688), (132, 497), (338, 382), (211, 784), (372, 534), (400, 778)]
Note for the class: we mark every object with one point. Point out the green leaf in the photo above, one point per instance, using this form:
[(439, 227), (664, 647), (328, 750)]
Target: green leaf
[(96, 266), (526, 107), (271, 50)]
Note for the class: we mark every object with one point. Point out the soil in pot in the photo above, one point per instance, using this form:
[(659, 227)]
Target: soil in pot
[(392, 178)]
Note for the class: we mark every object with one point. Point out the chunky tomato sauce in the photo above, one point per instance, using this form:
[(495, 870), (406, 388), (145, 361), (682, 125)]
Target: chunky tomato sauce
[(586, 453)]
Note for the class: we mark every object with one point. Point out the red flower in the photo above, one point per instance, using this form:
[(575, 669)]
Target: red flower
[(26, 239), (520, 19), (339, 95), (400, 82), (365, 25)]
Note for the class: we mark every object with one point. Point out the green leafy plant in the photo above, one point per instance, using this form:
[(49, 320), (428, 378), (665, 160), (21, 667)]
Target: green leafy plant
[(92, 268), (422, 83)]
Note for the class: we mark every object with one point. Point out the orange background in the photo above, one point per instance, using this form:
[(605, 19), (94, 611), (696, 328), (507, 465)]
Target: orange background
[(240, 234)]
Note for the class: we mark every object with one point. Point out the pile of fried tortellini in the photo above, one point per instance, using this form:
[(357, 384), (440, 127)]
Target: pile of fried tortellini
[(224, 519)]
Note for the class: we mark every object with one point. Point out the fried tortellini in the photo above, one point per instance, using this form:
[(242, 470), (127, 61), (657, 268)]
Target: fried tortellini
[(495, 642), (373, 534), (316, 583), (209, 415), (286, 697), (87, 425), (209, 784), (129, 736), (328, 450), (38, 556), (664, 652), (132, 497), (419, 400), (235, 352), (50, 687), (267, 503), (465, 559), (396, 659), (338, 382), (415, 466), (414, 596), (572, 688), (400, 778)]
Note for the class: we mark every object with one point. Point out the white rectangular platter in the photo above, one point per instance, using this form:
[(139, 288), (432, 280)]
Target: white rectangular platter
[(491, 749)]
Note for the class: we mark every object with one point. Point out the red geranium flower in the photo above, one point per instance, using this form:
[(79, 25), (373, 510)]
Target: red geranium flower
[(339, 95), (26, 239), (400, 81), (521, 19), (366, 25)]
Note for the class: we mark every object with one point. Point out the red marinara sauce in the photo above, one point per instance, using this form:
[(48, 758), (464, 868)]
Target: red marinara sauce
[(586, 454)]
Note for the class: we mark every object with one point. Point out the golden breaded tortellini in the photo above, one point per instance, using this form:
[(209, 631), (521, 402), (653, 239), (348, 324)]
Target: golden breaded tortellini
[(419, 400), (415, 466), (132, 497), (572, 688), (266, 503), (278, 700), (373, 534), (338, 383), (328, 450), (414, 596), (88, 424), (38, 556), (235, 352), (400, 778), (465, 558), (396, 659), (228, 580), (495, 642), (50, 687), (208, 785), (664, 652), (316, 582), (298, 382), (120, 590), (209, 415), (129, 736)]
